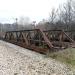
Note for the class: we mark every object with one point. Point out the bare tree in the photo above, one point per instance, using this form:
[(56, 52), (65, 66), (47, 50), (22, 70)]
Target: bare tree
[(66, 12), (23, 20), (52, 16), (24, 23)]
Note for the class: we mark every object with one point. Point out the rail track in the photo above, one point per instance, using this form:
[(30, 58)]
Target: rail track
[(41, 41)]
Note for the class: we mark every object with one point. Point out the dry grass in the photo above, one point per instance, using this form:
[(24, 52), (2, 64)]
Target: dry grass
[(67, 56)]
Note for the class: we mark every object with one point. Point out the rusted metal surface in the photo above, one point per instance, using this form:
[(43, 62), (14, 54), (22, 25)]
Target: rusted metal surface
[(40, 41)]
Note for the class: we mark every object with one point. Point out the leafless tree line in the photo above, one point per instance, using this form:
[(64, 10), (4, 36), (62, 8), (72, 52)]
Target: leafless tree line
[(62, 18), (22, 23)]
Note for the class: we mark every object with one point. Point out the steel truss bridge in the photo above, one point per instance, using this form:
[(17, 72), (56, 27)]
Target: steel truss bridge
[(41, 41)]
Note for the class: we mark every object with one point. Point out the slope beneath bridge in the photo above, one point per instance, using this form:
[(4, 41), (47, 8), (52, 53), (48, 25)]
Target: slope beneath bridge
[(15, 60)]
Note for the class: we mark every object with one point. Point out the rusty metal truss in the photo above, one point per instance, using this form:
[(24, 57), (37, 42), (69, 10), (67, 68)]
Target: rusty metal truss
[(39, 40)]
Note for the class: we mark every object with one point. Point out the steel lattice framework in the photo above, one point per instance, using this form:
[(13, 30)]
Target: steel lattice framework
[(39, 40)]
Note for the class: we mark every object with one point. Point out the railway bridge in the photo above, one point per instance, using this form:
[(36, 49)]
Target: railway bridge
[(41, 41)]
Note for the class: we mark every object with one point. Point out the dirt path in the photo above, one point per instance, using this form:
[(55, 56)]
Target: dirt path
[(15, 60)]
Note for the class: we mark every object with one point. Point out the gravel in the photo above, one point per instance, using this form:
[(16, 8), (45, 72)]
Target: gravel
[(15, 60)]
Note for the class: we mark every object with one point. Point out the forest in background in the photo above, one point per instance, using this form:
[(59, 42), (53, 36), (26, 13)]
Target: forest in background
[(62, 18)]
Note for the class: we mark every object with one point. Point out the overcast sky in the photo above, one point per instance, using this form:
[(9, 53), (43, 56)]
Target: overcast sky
[(34, 9)]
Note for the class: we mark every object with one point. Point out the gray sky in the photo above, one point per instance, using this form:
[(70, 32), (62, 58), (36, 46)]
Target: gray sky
[(34, 9)]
